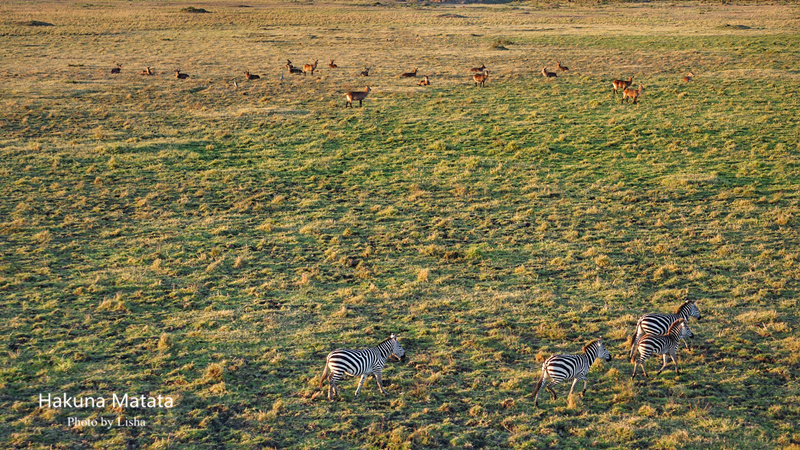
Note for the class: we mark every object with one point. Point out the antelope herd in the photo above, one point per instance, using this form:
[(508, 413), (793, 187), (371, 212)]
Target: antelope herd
[(479, 77)]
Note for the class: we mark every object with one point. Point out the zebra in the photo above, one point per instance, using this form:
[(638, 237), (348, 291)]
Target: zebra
[(563, 367), (658, 323), (665, 344), (346, 362)]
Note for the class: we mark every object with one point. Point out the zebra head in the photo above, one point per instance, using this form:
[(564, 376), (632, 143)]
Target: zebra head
[(397, 349), (689, 309), (686, 332), (601, 350), (680, 329), (597, 347)]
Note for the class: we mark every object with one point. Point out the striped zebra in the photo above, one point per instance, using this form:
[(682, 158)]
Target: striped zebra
[(564, 367), (665, 344), (658, 323), (345, 362)]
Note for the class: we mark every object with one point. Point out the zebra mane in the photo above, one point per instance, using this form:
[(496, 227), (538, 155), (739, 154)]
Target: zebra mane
[(677, 322), (678, 311), (586, 347)]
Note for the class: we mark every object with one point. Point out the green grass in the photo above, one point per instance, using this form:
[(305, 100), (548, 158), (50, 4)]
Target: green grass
[(184, 238)]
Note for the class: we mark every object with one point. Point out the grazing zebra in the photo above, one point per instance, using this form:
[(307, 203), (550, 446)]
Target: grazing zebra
[(362, 362), (563, 367), (658, 323), (665, 344)]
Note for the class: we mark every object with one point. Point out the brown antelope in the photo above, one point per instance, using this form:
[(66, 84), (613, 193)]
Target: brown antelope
[(117, 69), (478, 69), (621, 84), (310, 67), (410, 74), (356, 95), (480, 78), (688, 77), (147, 71), (632, 93), (332, 65), (250, 76), (424, 82), (365, 72), (547, 74), (180, 76), (561, 68), (293, 69)]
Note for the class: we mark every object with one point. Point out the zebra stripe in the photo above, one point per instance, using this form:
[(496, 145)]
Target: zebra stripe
[(665, 344), (346, 362), (658, 323), (564, 367)]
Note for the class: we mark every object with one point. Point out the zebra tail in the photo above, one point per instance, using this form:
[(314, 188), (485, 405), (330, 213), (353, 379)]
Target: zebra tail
[(538, 385), (324, 374), (633, 353), (634, 341)]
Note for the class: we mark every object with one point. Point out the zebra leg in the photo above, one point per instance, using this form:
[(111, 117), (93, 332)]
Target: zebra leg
[(379, 381), (574, 382), (585, 383), (676, 364), (360, 383), (640, 362), (549, 387), (332, 388), (664, 365)]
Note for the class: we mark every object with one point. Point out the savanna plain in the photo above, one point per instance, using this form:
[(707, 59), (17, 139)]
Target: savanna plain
[(213, 243)]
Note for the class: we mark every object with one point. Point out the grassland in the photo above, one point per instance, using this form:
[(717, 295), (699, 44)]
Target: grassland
[(185, 238)]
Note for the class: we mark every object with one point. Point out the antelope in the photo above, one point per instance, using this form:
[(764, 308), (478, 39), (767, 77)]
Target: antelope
[(117, 69), (293, 69), (180, 76), (365, 72), (478, 69), (249, 76), (147, 71), (688, 77), (424, 82), (621, 84), (410, 74), (632, 93), (561, 68), (547, 74), (480, 78), (356, 95), (310, 67), (332, 65)]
